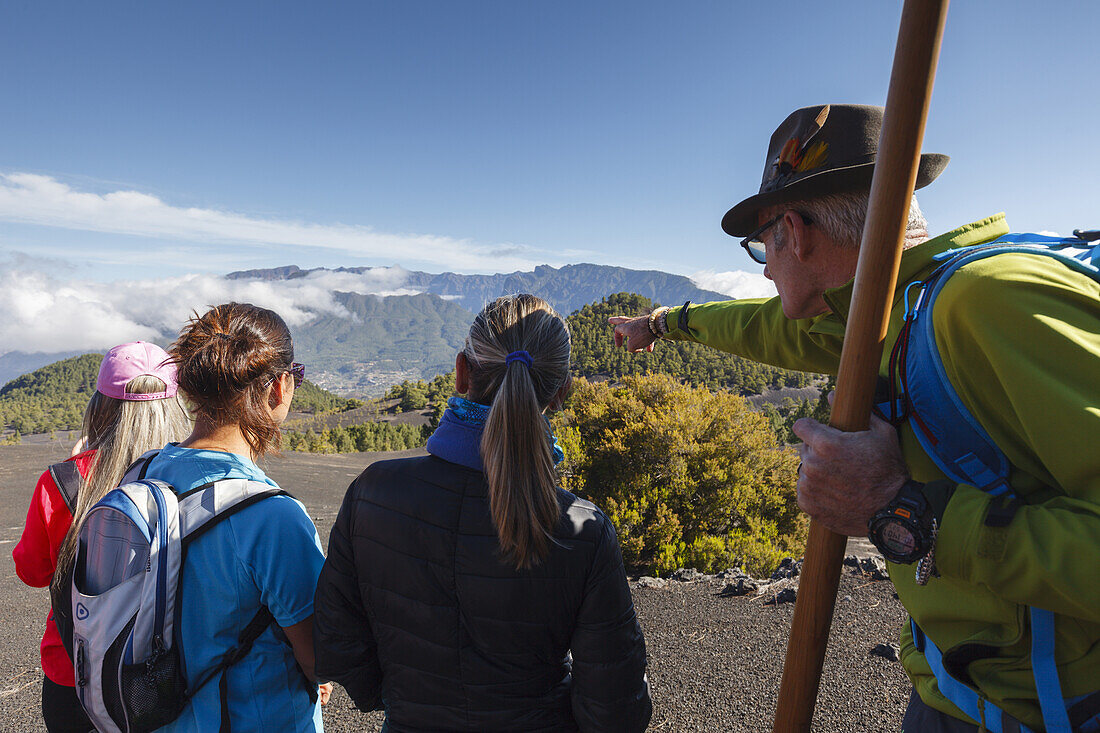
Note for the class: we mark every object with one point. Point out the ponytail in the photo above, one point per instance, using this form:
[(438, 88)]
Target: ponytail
[(518, 351)]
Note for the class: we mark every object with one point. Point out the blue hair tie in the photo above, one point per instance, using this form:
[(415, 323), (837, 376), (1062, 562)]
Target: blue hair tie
[(518, 356)]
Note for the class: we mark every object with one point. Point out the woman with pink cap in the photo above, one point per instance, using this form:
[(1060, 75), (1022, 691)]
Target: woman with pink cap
[(134, 409)]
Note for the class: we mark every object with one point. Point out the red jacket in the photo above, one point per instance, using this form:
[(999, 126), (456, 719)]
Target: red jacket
[(35, 557)]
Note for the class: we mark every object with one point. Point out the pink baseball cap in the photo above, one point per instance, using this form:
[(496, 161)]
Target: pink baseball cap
[(126, 361)]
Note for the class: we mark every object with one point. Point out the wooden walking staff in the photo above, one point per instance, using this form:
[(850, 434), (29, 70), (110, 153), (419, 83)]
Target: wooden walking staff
[(895, 174)]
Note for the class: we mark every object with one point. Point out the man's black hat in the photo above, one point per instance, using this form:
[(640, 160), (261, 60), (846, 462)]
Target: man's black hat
[(817, 151)]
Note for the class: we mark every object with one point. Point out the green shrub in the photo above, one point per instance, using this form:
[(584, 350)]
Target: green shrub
[(418, 394), (690, 478)]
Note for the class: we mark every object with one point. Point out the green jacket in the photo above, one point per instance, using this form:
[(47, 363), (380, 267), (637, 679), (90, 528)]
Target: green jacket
[(1019, 336)]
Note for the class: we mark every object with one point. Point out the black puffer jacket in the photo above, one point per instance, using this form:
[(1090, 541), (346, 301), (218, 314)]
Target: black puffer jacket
[(414, 611)]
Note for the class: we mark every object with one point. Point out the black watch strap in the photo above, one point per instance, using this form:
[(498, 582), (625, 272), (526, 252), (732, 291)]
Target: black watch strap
[(682, 318)]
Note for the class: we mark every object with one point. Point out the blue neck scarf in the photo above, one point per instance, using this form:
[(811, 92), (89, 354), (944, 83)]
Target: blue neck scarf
[(458, 437)]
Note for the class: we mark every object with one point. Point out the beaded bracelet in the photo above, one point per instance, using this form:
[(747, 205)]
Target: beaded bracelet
[(662, 313)]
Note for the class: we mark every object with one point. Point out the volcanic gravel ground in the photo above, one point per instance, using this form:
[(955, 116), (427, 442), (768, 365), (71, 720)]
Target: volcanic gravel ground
[(715, 662)]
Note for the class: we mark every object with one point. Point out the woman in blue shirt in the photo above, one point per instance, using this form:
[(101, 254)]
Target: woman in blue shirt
[(236, 371)]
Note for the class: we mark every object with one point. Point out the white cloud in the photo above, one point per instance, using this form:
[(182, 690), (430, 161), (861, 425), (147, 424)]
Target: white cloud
[(43, 313), (736, 283), (36, 199)]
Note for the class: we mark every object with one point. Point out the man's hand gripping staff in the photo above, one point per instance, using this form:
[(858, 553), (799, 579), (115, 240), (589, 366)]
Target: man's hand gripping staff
[(846, 478)]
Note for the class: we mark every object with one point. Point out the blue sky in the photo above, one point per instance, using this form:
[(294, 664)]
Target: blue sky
[(151, 140)]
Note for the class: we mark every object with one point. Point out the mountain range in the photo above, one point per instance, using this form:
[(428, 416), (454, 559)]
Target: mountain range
[(566, 288), (390, 338)]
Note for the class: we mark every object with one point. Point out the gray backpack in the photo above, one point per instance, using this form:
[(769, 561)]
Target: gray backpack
[(130, 674)]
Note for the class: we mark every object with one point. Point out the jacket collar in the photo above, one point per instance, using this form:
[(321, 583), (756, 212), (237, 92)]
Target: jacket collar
[(915, 262), (457, 441)]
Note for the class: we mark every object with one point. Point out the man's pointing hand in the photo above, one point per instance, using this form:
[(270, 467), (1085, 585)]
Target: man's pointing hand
[(633, 333)]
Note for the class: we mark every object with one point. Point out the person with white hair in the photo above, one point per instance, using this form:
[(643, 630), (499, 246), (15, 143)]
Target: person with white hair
[(981, 486)]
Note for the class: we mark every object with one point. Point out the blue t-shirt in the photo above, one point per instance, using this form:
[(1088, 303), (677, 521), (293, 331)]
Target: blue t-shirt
[(267, 553)]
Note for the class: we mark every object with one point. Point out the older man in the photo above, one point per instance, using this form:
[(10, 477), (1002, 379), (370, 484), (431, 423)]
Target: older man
[(1019, 339)]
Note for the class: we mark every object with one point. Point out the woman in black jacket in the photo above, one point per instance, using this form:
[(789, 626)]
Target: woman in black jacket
[(465, 591)]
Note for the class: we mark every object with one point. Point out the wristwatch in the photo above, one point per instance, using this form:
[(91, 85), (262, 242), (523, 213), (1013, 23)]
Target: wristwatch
[(904, 530)]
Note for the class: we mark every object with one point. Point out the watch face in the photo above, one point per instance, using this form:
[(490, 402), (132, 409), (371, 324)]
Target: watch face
[(898, 539)]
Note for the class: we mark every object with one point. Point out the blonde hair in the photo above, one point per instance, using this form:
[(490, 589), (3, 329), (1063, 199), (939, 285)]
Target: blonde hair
[(120, 431), (515, 445)]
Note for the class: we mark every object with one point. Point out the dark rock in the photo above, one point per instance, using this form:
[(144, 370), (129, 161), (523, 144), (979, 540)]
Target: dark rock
[(887, 651), (851, 561), (739, 587), (789, 568), (649, 582), (875, 567), (688, 575), (787, 595)]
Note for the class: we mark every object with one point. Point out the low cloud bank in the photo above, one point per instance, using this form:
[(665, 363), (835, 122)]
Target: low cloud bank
[(44, 313), (736, 284)]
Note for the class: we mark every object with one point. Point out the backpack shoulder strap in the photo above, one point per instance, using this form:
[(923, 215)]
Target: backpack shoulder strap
[(947, 431), (138, 469), (248, 636), (245, 640), (205, 506), (200, 509), (68, 479)]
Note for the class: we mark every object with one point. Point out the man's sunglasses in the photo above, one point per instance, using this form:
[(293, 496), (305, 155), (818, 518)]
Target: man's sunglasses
[(755, 246)]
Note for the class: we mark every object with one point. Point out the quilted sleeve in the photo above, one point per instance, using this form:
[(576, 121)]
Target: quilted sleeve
[(346, 651), (610, 691)]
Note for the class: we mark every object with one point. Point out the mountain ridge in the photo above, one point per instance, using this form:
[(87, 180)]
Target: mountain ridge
[(567, 288)]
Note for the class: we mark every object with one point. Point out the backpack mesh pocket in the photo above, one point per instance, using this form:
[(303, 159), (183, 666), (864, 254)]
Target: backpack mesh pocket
[(154, 691)]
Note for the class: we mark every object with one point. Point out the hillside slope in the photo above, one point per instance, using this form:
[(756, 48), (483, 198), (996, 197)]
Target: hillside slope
[(387, 340), (52, 397)]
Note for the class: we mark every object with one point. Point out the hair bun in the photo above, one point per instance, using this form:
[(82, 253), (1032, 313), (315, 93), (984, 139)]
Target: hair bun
[(225, 358)]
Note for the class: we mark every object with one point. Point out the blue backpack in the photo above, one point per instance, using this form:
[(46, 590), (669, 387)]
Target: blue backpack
[(963, 450)]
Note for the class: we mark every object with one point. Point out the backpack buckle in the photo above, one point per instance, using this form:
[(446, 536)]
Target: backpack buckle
[(1089, 235)]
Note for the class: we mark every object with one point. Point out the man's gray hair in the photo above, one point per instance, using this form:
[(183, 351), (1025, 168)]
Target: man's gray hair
[(841, 217)]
